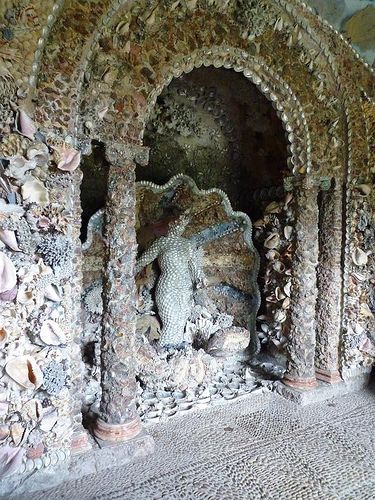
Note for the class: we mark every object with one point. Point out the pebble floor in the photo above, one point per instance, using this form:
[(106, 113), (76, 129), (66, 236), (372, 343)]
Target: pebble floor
[(261, 447)]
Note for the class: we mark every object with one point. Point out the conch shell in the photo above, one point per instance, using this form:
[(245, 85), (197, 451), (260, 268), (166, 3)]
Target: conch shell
[(8, 275), (25, 371), (51, 333)]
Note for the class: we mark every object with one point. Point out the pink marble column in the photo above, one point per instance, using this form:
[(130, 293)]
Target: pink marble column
[(118, 417)]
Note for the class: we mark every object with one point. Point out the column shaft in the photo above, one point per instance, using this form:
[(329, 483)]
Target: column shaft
[(301, 342)]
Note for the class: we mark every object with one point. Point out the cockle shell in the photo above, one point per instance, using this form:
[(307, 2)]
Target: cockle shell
[(359, 257), (272, 241), (9, 238), (8, 275), (51, 333), (25, 371), (34, 191)]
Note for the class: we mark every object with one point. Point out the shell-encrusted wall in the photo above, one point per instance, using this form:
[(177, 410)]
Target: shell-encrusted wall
[(38, 283)]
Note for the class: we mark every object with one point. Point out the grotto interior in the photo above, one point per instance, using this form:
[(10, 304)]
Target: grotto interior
[(186, 218)]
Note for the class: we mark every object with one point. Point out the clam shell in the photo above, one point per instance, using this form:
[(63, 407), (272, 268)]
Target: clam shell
[(272, 241), (8, 275), (51, 333), (25, 371), (9, 238), (359, 257)]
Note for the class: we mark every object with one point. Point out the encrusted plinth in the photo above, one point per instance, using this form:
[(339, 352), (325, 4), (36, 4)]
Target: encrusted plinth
[(329, 376), (117, 433), (300, 383), (80, 443)]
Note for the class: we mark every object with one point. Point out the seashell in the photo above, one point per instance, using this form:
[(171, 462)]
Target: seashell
[(25, 371), (286, 303), (48, 421), (365, 311), (288, 232), (25, 297), (364, 189), (8, 275), (19, 166), (288, 199), (51, 333), (9, 238), (51, 293), (279, 294), (33, 191), (69, 158), (359, 257), (280, 316), (18, 433), (10, 460), (272, 241), (287, 288), (34, 409), (264, 327), (258, 223), (272, 255), (279, 266), (4, 432), (272, 208), (26, 125), (3, 336)]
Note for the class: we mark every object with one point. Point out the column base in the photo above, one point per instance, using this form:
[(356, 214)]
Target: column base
[(329, 376), (300, 383), (116, 433), (80, 442)]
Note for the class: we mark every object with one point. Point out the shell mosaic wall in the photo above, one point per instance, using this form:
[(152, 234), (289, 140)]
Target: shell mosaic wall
[(74, 72)]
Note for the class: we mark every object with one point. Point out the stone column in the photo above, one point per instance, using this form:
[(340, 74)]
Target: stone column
[(118, 417), (329, 285), (300, 371)]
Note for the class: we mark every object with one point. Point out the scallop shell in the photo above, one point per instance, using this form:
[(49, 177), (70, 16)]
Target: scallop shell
[(8, 275), (9, 238), (51, 333), (272, 241), (25, 371), (359, 257)]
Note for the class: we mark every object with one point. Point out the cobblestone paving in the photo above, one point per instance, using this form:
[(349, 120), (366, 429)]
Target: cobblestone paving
[(262, 447)]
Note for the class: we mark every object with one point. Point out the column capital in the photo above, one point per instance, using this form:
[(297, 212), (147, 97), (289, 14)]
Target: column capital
[(118, 152)]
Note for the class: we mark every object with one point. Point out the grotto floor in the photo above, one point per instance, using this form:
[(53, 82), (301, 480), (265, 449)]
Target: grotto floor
[(261, 447)]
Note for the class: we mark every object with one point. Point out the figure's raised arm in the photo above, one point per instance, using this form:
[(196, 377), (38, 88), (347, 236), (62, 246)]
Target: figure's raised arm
[(148, 256)]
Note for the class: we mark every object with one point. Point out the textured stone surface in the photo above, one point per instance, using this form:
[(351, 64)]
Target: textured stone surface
[(260, 448)]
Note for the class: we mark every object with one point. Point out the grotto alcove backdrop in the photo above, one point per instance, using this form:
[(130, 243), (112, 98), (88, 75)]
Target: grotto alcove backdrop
[(111, 82)]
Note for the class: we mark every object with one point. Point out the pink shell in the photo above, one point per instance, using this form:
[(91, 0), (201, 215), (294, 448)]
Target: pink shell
[(27, 126), (70, 159)]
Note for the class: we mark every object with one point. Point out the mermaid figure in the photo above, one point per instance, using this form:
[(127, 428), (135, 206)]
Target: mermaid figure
[(180, 272)]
